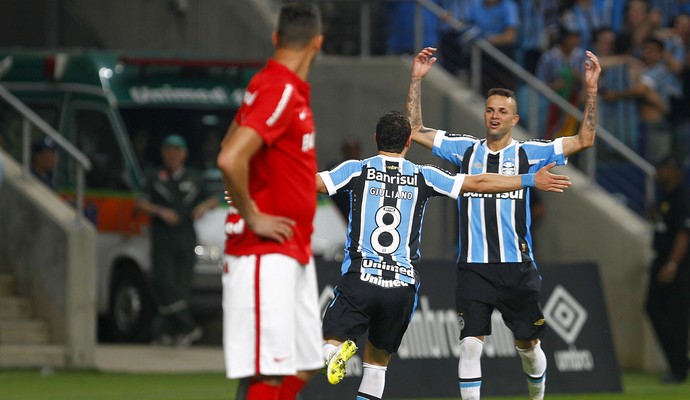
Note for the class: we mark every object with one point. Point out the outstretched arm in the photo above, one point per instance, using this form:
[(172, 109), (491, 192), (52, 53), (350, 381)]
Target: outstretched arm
[(585, 135), (420, 67), (497, 183)]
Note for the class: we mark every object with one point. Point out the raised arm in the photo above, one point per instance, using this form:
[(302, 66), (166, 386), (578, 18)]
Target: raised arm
[(497, 183), (585, 135), (420, 67)]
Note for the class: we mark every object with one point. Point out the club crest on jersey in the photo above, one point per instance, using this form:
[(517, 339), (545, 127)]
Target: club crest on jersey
[(508, 168), (477, 165)]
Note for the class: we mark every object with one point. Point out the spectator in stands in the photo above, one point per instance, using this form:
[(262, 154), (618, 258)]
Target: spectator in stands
[(496, 21), (582, 17), (561, 69), (604, 42), (401, 26), (675, 38), (613, 13), (680, 28), (538, 30), (656, 89), (44, 160), (452, 50), (639, 23), (653, 92), (680, 117), (620, 73), (666, 10), (675, 47)]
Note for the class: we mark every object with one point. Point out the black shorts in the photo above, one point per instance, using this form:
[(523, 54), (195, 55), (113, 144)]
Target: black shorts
[(359, 306), (512, 288)]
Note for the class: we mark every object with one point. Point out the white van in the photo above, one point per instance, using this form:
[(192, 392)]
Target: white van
[(116, 108)]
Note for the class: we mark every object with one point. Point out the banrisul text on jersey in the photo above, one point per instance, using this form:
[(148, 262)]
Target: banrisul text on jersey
[(388, 196)]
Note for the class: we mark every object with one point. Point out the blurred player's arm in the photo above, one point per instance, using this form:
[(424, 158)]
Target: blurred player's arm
[(420, 67), (238, 147), (497, 183)]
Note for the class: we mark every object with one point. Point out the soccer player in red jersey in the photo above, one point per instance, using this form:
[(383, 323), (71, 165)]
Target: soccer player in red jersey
[(271, 319)]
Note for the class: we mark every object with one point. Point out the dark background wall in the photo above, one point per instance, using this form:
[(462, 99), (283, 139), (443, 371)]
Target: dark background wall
[(238, 29)]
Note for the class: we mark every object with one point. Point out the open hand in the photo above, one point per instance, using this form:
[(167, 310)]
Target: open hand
[(592, 72), (423, 62), (548, 182), (272, 227)]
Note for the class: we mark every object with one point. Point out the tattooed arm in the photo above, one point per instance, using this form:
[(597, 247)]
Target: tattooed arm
[(585, 135), (420, 67)]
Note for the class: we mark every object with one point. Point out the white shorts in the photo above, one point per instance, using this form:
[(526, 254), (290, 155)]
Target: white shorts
[(283, 334)]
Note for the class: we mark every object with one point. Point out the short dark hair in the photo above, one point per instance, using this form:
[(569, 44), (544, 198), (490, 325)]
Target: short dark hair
[(298, 23), (502, 92), (392, 132)]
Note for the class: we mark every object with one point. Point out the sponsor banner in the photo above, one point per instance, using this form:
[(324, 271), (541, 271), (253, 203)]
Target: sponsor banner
[(578, 342)]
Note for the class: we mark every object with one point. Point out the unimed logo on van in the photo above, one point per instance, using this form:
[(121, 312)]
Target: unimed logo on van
[(169, 94)]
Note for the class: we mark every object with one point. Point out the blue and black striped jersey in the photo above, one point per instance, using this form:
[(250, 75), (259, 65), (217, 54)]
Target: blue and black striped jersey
[(387, 200), (495, 228)]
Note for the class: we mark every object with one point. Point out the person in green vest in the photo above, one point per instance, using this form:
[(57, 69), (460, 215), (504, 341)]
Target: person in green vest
[(174, 197)]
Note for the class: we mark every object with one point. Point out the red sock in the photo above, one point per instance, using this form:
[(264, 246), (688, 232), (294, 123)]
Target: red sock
[(290, 387), (259, 390)]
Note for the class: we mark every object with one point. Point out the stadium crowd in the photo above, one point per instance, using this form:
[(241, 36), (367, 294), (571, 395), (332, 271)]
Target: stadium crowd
[(642, 44)]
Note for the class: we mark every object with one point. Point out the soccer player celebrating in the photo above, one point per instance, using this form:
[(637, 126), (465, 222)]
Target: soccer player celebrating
[(378, 287), (271, 317), (496, 266)]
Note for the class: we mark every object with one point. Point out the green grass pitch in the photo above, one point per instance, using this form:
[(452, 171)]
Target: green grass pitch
[(89, 385)]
